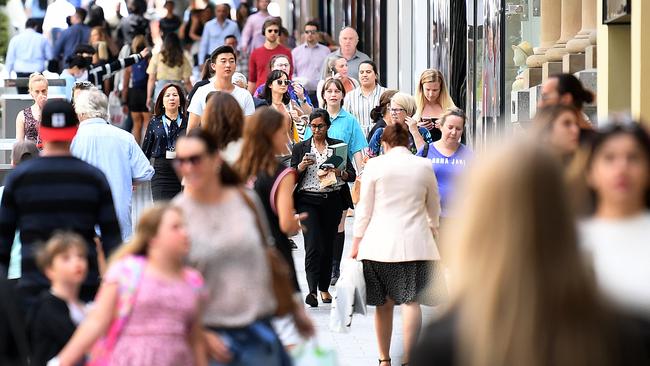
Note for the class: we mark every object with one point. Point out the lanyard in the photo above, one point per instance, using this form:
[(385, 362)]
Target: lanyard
[(170, 145)]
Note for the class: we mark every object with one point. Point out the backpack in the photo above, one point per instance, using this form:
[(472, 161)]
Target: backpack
[(139, 74)]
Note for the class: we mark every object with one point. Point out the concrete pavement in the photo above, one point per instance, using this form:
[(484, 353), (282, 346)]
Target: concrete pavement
[(359, 346)]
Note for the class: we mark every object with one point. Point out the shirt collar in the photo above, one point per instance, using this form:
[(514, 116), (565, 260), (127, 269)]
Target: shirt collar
[(355, 55), (400, 150), (93, 121)]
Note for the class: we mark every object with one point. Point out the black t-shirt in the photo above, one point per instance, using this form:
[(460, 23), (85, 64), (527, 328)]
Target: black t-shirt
[(169, 25)]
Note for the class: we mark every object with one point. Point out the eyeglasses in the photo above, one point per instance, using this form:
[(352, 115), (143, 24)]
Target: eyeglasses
[(82, 84), (320, 126), (281, 82), (396, 110), (311, 32), (192, 160), (272, 31)]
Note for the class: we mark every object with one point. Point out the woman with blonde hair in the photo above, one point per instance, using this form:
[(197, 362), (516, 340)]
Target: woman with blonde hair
[(522, 294), (159, 326), (29, 119), (402, 107), (432, 99)]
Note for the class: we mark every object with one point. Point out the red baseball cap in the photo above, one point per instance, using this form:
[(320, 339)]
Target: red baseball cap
[(58, 122)]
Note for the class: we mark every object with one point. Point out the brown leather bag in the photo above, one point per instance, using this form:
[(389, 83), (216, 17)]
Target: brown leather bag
[(280, 273)]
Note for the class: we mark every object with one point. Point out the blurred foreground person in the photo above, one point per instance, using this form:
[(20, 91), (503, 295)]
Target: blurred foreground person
[(522, 295), (148, 305), (617, 236)]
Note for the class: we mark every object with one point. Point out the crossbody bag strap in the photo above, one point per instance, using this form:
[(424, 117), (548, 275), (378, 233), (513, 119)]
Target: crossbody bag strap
[(265, 233)]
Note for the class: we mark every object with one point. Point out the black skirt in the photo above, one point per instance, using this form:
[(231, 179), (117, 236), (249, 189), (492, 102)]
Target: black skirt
[(165, 184), (404, 282), (137, 100)]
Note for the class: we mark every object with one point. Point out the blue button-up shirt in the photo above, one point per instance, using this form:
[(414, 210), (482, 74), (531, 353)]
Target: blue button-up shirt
[(345, 128), (70, 39), (214, 35), (115, 152), (28, 51)]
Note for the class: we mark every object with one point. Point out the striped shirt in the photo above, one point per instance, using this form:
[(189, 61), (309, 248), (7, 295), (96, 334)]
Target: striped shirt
[(55, 193), (98, 74), (360, 106)]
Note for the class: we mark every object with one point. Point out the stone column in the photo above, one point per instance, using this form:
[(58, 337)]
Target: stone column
[(581, 40), (571, 20), (550, 31)]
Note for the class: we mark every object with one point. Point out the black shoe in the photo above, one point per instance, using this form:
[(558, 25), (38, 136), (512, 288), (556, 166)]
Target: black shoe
[(333, 281), (294, 246), (311, 300)]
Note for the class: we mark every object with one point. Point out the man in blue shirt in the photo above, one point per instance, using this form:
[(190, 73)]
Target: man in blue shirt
[(216, 30), (78, 33), (28, 52), (112, 150)]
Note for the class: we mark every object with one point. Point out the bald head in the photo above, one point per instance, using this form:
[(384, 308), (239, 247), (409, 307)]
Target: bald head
[(348, 40)]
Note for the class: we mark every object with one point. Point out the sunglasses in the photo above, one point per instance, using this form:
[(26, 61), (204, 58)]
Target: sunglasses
[(83, 84), (192, 160), (272, 31), (283, 82)]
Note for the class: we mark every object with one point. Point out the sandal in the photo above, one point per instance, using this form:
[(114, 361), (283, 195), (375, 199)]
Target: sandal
[(326, 300), (384, 360)]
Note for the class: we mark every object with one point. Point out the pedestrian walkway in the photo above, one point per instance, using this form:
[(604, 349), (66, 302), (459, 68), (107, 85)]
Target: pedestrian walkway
[(359, 346)]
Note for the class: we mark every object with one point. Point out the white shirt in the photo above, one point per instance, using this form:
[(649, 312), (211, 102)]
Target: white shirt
[(244, 98), (56, 14), (619, 251)]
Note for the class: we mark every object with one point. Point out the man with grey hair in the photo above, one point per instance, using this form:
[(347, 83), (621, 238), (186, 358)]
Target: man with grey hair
[(112, 150), (348, 41)]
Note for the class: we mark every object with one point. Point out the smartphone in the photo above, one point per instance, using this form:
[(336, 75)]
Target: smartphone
[(310, 156), (327, 166)]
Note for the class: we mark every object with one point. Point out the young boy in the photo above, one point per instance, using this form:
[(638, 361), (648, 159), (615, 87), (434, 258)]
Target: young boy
[(54, 318)]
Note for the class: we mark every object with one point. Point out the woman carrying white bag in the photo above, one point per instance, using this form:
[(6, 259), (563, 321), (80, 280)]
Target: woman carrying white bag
[(395, 224)]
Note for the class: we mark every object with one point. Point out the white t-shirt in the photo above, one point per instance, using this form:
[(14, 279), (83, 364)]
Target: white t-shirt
[(619, 251), (245, 99)]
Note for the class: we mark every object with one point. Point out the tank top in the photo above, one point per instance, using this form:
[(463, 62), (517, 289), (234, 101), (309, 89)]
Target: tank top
[(31, 127)]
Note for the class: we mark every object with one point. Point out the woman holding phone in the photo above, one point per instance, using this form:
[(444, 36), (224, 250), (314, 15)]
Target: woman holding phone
[(322, 203), (432, 99)]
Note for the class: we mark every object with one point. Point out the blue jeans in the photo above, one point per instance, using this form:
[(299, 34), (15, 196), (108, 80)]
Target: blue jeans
[(256, 344)]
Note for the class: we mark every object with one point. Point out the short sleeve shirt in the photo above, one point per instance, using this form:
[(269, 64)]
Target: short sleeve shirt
[(345, 128), (243, 97)]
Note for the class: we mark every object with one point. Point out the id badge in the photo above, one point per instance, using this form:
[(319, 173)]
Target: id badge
[(170, 154)]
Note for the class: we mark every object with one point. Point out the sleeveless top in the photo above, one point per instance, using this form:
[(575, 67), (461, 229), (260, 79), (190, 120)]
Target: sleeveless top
[(31, 127), (266, 187)]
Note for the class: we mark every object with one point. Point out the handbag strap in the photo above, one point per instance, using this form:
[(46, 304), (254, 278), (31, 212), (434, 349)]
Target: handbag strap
[(261, 227)]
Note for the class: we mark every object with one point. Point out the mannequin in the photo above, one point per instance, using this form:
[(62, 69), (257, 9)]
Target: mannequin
[(522, 51)]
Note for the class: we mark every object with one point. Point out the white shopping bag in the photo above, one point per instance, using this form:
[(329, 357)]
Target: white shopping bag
[(311, 354), (350, 296)]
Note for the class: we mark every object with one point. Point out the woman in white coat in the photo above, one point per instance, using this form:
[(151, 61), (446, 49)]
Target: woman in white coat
[(394, 236)]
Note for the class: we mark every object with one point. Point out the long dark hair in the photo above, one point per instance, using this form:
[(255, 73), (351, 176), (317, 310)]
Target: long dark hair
[(266, 92), (567, 83), (172, 51), (159, 109), (226, 175), (257, 151)]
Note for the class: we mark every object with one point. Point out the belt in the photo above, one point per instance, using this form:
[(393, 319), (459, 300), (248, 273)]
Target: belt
[(317, 194)]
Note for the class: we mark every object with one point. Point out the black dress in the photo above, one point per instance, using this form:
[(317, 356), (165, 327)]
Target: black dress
[(266, 188), (157, 141)]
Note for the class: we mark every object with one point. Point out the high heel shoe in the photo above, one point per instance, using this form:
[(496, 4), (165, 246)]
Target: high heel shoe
[(326, 300)]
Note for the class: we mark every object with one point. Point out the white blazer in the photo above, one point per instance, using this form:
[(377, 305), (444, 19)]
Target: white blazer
[(398, 207)]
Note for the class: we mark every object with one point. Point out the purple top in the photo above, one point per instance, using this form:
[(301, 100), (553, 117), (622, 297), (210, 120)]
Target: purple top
[(308, 63), (252, 30), (447, 170)]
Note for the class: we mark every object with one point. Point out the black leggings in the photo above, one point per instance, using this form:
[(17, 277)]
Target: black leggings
[(324, 214)]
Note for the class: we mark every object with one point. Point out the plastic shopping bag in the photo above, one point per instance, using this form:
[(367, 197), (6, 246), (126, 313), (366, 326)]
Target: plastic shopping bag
[(350, 296), (311, 354)]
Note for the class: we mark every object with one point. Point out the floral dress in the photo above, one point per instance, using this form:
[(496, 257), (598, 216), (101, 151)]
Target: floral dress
[(31, 127)]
